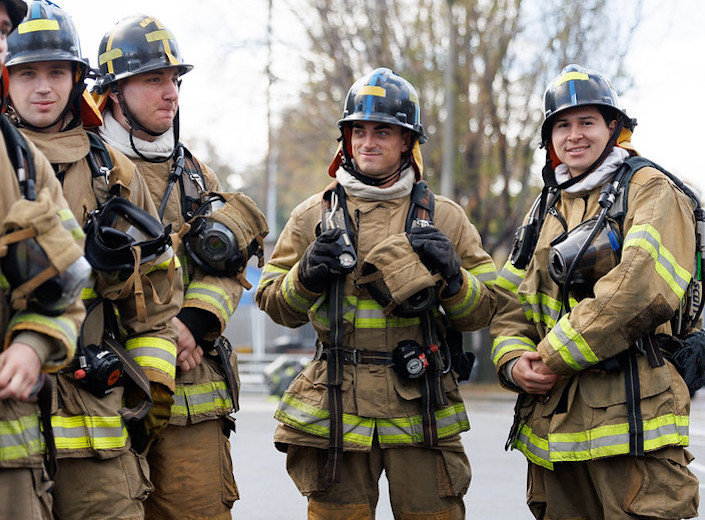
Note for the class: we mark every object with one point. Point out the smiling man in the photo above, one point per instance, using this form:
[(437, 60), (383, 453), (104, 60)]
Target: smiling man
[(604, 261), (380, 394)]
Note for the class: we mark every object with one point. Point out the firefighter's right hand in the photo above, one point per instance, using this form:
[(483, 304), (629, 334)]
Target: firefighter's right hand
[(320, 261), (19, 370)]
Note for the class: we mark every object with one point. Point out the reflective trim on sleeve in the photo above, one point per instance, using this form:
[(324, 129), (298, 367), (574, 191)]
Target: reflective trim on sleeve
[(70, 223), (571, 346), (212, 295), (510, 278), (503, 344), (471, 300), (153, 352), (646, 237), (486, 273), (293, 298)]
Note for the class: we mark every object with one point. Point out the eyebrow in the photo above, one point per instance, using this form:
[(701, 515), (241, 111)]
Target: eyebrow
[(380, 126)]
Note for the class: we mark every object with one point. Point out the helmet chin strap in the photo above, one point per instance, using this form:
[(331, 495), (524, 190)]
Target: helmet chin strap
[(136, 125)]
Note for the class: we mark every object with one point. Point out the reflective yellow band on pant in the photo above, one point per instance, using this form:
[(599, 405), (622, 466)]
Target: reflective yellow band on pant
[(20, 438), (211, 397), (503, 344), (85, 431), (301, 416), (602, 441), (217, 300), (153, 352)]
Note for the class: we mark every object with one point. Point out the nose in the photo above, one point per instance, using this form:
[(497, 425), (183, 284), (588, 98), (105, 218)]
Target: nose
[(171, 91), (575, 133)]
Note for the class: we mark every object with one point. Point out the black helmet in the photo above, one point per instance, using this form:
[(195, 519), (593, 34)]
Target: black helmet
[(384, 96), (578, 86), (135, 45), (115, 228), (16, 9), (47, 33)]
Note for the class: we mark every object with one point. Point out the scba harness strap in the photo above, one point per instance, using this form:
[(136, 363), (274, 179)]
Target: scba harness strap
[(335, 215)]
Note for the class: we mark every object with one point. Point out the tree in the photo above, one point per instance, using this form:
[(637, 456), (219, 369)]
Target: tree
[(505, 53)]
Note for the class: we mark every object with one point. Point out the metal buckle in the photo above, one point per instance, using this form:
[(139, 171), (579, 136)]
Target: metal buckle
[(352, 356)]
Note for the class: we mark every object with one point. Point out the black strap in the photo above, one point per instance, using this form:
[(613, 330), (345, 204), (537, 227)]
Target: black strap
[(633, 390), (335, 369), (224, 349), (21, 158), (131, 368), (44, 398)]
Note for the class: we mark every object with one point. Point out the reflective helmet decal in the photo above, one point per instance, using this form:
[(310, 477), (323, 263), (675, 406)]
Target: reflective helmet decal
[(37, 25)]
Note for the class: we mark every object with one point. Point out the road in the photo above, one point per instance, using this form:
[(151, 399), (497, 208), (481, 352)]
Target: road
[(498, 483)]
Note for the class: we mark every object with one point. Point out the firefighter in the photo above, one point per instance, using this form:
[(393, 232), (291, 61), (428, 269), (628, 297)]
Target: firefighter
[(384, 271), (140, 74), (605, 259), (39, 335), (102, 470)]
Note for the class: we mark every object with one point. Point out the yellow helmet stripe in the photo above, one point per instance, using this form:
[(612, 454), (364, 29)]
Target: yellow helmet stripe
[(573, 75), (110, 54), (162, 35), (38, 25), (370, 90)]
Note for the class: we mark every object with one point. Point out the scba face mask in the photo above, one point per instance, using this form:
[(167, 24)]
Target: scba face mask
[(41, 260), (226, 231), (598, 257)]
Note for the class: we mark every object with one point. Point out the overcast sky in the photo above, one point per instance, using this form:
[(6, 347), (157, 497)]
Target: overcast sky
[(223, 98)]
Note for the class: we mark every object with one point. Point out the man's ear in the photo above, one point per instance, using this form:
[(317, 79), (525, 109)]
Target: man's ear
[(407, 141)]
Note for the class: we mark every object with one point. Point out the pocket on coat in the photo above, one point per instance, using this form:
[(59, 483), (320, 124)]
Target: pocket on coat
[(229, 489), (660, 485), (306, 467), (137, 476)]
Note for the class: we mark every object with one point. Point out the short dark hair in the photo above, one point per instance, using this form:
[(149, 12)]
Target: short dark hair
[(608, 113)]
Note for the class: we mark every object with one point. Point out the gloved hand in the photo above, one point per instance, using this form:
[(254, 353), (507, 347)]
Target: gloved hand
[(320, 261), (438, 254), (146, 432)]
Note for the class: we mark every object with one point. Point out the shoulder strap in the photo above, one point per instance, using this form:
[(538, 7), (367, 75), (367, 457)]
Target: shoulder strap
[(193, 185), (20, 157), (101, 165), (423, 204)]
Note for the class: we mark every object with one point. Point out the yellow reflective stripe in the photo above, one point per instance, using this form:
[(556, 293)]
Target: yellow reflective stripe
[(202, 398), (109, 55), (572, 76), (533, 447), (164, 266), (304, 417), (292, 297), (510, 278), (269, 274), (88, 293), (212, 295), (4, 284), (38, 25), (503, 344), (20, 438), (469, 302), (486, 273), (63, 327), (85, 431), (571, 346), (648, 238), (69, 222), (372, 90), (153, 352)]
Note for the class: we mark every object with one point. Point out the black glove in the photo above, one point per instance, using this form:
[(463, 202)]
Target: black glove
[(320, 261), (438, 254)]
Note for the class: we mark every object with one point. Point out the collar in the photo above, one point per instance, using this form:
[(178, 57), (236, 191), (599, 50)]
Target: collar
[(598, 177), (356, 188), (118, 137)]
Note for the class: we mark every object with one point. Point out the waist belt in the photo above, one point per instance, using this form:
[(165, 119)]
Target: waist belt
[(354, 356)]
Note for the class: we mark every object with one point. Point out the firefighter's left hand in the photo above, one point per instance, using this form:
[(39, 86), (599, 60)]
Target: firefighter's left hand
[(188, 353), (438, 254), (19, 371)]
